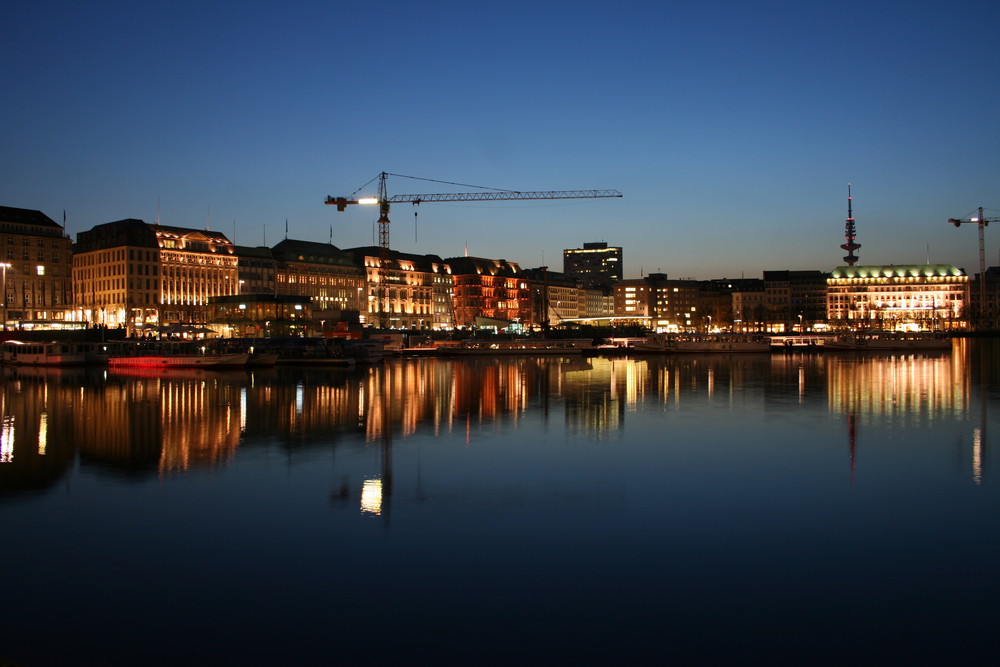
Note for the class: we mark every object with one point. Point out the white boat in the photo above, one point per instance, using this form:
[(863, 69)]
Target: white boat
[(526, 346), (890, 341), (799, 342), (44, 354)]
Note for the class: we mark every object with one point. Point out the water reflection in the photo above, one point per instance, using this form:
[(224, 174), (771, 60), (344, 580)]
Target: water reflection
[(150, 423)]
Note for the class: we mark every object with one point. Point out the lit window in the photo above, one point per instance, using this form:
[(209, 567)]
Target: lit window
[(40, 269)]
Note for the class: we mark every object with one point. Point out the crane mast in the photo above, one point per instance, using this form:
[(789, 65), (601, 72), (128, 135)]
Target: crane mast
[(384, 202), (981, 221)]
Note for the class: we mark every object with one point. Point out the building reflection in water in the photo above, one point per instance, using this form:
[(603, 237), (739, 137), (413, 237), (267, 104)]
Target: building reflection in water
[(154, 422)]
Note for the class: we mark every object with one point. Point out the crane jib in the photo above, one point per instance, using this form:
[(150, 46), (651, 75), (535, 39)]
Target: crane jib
[(504, 196)]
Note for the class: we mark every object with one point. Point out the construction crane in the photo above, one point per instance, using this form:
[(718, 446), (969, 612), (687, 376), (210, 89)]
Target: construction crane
[(490, 194), (384, 202), (981, 221)]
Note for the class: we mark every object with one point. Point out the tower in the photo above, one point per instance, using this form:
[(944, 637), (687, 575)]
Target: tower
[(850, 233)]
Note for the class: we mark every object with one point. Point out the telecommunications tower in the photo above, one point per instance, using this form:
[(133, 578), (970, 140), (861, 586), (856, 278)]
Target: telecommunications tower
[(850, 233)]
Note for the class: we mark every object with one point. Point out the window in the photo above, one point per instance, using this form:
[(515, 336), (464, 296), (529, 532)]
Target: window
[(40, 270)]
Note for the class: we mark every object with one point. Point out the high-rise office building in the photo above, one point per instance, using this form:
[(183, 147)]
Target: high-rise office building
[(595, 265)]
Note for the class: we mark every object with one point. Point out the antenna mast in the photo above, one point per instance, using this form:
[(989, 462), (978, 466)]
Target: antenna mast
[(850, 233)]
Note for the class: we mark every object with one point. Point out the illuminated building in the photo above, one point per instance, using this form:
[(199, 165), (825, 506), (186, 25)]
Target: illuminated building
[(921, 297), (795, 299), (668, 305), (133, 274), (36, 266), (489, 292), (321, 271), (256, 268), (555, 297), (595, 265), (404, 291)]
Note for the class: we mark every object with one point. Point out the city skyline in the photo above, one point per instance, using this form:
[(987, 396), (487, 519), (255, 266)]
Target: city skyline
[(732, 131)]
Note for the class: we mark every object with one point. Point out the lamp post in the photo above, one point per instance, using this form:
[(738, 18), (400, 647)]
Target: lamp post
[(3, 267)]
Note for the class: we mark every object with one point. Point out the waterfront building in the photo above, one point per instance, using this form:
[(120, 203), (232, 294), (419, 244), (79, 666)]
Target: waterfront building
[(489, 292), (597, 303), (988, 313), (264, 316), (669, 305), (920, 297), (330, 276), (256, 269), (36, 267), (554, 297), (595, 265), (404, 291), (796, 300), (136, 275), (749, 309)]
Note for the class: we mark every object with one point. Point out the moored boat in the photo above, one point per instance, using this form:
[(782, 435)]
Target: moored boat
[(44, 354), (890, 341), (179, 361), (526, 346)]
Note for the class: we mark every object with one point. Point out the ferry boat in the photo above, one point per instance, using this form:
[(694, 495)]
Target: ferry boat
[(45, 354), (525, 346), (129, 354), (180, 361), (702, 343), (800, 342), (889, 341)]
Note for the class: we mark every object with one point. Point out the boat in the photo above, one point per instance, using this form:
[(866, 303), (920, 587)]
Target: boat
[(890, 341), (44, 354), (525, 346), (159, 354), (701, 344), (179, 361), (800, 342)]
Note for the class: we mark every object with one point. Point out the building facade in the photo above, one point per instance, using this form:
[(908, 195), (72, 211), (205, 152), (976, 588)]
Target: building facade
[(330, 276), (135, 275), (921, 297), (595, 265), (666, 305), (796, 300), (404, 291), (36, 267), (489, 292), (554, 297)]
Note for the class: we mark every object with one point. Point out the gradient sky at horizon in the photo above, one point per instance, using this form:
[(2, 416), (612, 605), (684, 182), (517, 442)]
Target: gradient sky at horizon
[(731, 128)]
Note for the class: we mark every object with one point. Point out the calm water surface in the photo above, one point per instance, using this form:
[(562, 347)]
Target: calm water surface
[(693, 509)]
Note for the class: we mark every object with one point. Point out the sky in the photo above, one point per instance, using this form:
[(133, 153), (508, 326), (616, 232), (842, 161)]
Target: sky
[(732, 129)]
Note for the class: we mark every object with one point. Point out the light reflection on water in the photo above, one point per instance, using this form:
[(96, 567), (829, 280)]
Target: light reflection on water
[(706, 507)]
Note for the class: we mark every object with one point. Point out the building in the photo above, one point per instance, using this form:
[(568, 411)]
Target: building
[(595, 265), (36, 268), (330, 276), (795, 300), (257, 270), (489, 292), (597, 304), (984, 308), (554, 297), (136, 275), (920, 297), (669, 305), (404, 291)]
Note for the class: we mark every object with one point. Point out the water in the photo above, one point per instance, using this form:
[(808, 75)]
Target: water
[(698, 509)]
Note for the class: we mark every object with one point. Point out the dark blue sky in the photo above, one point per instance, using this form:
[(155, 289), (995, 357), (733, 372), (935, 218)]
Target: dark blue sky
[(732, 128)]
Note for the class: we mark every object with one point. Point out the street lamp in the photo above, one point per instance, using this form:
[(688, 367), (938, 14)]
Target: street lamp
[(4, 266)]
